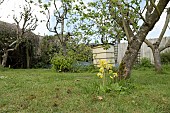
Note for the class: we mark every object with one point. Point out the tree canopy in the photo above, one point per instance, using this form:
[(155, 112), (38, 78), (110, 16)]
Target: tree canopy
[(128, 18)]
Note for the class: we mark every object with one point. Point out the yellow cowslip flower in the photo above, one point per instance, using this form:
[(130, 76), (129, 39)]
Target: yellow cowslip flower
[(110, 71), (101, 70), (105, 65), (99, 74), (102, 63), (111, 77), (115, 75), (109, 66)]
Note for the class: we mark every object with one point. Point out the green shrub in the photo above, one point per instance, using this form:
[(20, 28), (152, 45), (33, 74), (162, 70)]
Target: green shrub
[(144, 63), (62, 63), (165, 57)]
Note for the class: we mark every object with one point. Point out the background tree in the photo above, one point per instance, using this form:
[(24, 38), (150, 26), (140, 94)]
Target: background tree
[(155, 47), (56, 20), (15, 53), (80, 51), (12, 35), (28, 23), (92, 21), (48, 47), (7, 40)]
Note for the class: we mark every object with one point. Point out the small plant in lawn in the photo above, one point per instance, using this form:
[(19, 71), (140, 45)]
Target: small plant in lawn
[(105, 69), (110, 80)]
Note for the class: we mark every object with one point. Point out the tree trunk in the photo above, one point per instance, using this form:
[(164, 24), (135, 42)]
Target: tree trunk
[(0, 59), (157, 60), (134, 45), (64, 49), (4, 58), (129, 59), (28, 57)]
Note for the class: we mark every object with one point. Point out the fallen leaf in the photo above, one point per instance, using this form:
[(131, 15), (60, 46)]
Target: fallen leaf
[(99, 97)]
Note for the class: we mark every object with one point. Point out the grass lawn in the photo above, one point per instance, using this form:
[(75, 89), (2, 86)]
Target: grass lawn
[(44, 91)]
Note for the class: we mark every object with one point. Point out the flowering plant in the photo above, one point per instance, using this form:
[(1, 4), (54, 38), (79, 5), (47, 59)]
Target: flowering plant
[(110, 79), (106, 71)]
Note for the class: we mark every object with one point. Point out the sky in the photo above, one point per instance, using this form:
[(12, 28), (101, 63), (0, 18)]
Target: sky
[(6, 14)]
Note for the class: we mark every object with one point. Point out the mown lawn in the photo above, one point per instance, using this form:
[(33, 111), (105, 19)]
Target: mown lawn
[(45, 91)]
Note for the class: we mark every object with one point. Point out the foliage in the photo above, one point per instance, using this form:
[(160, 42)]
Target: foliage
[(80, 51), (50, 46), (165, 57), (70, 64), (62, 63), (145, 62), (165, 68), (102, 19)]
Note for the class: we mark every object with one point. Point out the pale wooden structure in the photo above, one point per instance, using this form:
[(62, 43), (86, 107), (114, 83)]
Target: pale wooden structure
[(100, 53), (116, 53)]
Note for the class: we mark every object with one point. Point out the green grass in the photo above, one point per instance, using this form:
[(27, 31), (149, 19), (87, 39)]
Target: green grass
[(45, 91)]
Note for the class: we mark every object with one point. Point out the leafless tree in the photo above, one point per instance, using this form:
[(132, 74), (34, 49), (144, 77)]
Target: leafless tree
[(58, 27), (28, 23)]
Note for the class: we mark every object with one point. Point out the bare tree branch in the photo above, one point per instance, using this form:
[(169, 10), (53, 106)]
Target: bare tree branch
[(149, 9), (126, 31), (54, 30), (164, 27), (56, 8), (167, 45), (140, 14), (13, 43), (149, 44), (153, 4), (1, 1)]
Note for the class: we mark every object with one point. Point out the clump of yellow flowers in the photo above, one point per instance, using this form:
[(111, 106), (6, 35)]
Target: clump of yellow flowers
[(106, 69)]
